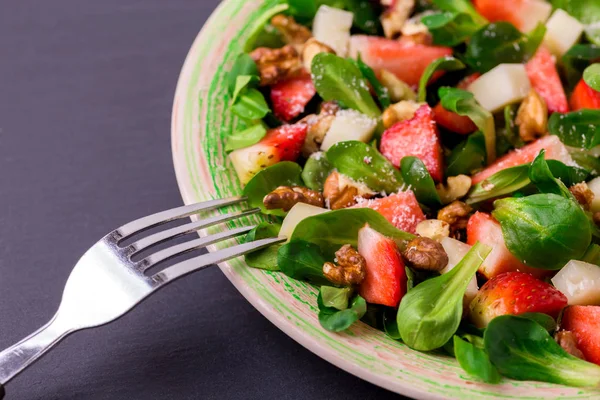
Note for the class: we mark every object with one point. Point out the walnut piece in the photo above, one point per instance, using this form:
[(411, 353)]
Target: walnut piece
[(532, 117), (318, 125), (456, 214), (433, 229), (425, 254), (414, 25), (393, 18), (292, 32), (455, 188), (275, 65), (311, 48), (583, 194), (349, 270), (286, 197), (342, 192), (398, 89), (567, 340), (401, 111)]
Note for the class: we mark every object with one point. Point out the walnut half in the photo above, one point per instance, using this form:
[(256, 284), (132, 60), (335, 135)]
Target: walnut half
[(582, 194), (456, 214), (341, 191), (532, 117), (350, 268), (293, 32), (275, 65), (286, 197), (425, 254)]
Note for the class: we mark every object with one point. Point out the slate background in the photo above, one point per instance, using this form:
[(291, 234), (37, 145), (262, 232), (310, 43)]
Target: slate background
[(85, 99)]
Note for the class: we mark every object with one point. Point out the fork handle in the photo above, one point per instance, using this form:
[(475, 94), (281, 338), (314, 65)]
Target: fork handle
[(19, 356)]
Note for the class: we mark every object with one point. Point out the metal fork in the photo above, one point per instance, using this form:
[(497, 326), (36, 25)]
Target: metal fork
[(106, 283)]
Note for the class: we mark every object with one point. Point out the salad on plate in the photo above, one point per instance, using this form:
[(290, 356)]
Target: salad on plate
[(434, 166)]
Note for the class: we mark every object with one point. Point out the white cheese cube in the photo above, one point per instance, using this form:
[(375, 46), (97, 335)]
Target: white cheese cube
[(331, 26), (580, 282), (562, 32), (349, 125), (502, 85), (533, 12), (297, 213)]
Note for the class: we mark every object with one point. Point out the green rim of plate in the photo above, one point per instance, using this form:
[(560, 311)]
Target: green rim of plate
[(200, 121)]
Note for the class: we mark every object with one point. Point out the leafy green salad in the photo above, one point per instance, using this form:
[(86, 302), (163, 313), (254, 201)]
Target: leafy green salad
[(434, 166)]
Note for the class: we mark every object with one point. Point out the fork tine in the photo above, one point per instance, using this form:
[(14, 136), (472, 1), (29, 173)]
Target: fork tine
[(197, 263), (163, 236), (153, 220), (183, 248)]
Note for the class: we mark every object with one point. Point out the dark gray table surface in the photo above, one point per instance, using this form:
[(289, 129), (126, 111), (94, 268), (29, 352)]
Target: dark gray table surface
[(85, 99)]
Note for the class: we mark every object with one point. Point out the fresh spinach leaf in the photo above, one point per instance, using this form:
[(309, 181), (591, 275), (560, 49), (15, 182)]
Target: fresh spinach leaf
[(522, 349), (336, 78), (430, 314), (390, 325), (450, 28), (460, 6), (316, 170), (543, 230), (468, 156), (381, 91), (243, 65), (591, 76), (337, 321), (446, 63), (503, 182), (242, 83), (251, 105), (258, 27), (365, 164), (305, 9), (463, 103), (588, 162), (415, 175), (365, 16), (567, 174), (501, 42), (303, 261), (267, 257), (578, 128), (334, 297), (333, 229), (586, 11), (475, 360), (592, 254), (546, 321), (541, 176), (285, 173), (576, 59), (245, 138)]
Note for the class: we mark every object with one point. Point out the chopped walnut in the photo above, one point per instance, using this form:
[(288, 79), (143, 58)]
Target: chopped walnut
[(318, 125), (425, 254), (532, 117), (399, 112), (286, 197), (583, 194), (567, 340), (420, 38), (456, 214), (414, 25), (433, 229), (276, 64), (341, 191), (293, 32), (311, 48), (455, 188), (349, 270), (397, 89), (393, 18)]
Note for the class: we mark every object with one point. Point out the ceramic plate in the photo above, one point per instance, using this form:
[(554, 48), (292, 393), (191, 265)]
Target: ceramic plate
[(200, 122)]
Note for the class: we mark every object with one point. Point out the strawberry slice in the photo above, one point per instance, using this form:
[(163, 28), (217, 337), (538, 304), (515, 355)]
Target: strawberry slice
[(584, 322), (515, 293), (417, 137), (452, 121), (279, 144), (385, 280), (290, 97), (584, 97), (401, 209), (524, 14), (544, 78), (555, 150), (405, 59), (482, 227)]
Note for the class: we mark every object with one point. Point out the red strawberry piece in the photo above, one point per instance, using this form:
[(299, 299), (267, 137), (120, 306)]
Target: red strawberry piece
[(290, 97), (385, 280), (405, 59), (555, 150), (287, 140), (544, 79), (524, 14), (401, 209), (482, 227), (515, 293), (584, 323), (584, 97), (415, 137), (452, 121)]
